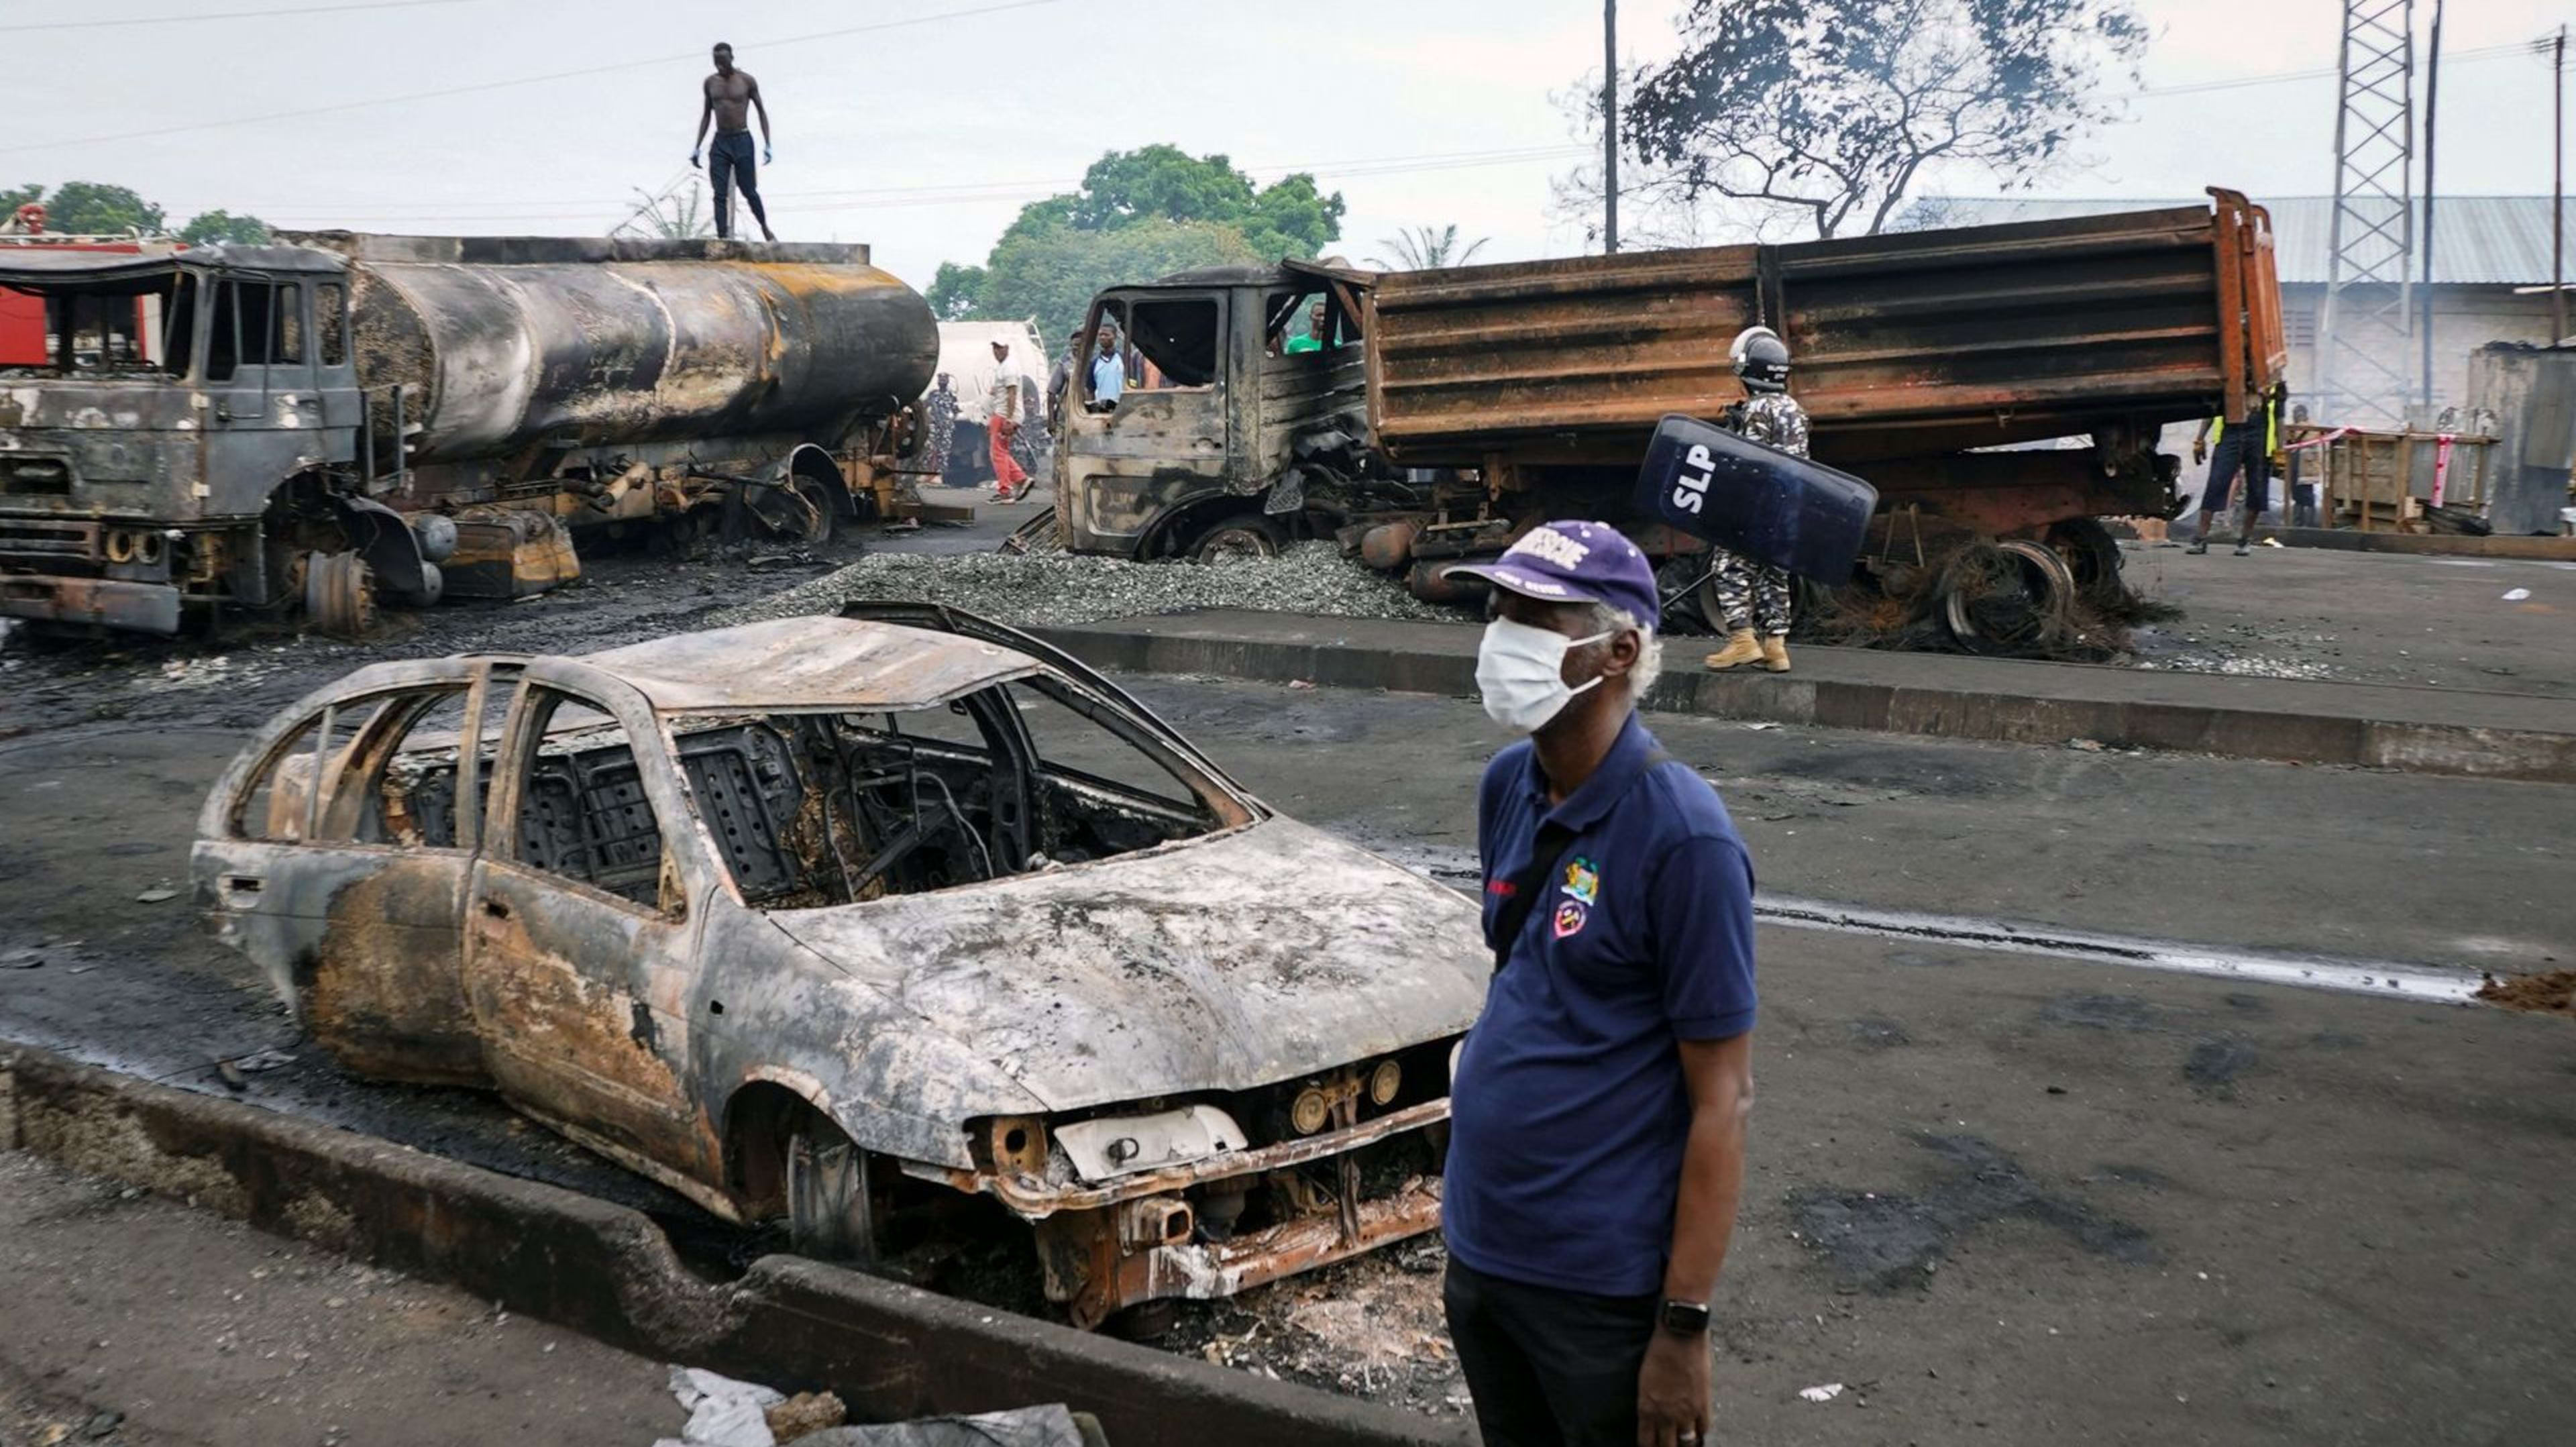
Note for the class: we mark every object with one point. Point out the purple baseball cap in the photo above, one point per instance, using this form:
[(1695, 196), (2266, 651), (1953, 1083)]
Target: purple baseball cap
[(1574, 562)]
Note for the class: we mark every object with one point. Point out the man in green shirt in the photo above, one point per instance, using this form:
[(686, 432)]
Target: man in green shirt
[(1313, 340)]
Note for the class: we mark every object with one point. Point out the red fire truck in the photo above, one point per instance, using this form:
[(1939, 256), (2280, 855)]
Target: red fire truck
[(23, 326)]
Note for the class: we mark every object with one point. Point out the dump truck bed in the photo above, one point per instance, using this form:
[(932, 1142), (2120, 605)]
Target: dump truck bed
[(1906, 346)]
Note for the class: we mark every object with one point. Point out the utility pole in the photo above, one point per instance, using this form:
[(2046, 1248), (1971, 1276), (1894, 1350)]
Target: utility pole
[(2432, 92), (2366, 327), (2558, 189), (1610, 127)]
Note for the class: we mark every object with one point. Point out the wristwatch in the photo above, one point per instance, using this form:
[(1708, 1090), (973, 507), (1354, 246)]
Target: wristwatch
[(1683, 1318)]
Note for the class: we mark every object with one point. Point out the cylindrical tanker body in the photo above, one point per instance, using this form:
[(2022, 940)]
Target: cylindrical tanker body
[(503, 343)]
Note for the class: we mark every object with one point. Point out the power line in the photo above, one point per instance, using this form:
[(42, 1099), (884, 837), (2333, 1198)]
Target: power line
[(493, 85), (876, 198), (220, 15), (2327, 72)]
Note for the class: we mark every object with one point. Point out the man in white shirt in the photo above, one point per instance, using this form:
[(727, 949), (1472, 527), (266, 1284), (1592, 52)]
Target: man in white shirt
[(1002, 422)]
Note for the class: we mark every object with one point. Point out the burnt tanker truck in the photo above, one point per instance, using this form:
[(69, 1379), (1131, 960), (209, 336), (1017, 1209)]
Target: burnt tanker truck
[(339, 418)]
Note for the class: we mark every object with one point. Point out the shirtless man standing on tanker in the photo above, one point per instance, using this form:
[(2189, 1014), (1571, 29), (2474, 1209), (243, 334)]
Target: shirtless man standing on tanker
[(731, 95)]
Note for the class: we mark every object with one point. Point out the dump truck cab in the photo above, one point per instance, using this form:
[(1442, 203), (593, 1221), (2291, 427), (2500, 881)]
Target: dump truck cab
[(179, 388), (1240, 427)]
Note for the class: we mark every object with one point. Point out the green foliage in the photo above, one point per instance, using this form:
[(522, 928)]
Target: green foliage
[(1053, 275), (1125, 187), (209, 227), (1291, 218), (1139, 215), (1420, 248), (957, 292), (91, 208), (13, 197)]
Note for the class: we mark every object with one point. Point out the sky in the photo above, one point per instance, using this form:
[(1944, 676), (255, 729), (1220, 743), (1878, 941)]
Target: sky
[(921, 126)]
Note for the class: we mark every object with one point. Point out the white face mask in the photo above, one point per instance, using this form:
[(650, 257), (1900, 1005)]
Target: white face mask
[(1521, 671)]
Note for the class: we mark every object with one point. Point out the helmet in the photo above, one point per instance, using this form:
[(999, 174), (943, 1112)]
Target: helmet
[(1761, 359)]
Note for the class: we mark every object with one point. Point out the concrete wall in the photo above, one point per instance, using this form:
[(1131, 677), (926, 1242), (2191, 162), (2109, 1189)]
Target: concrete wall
[(2533, 394), (2465, 318)]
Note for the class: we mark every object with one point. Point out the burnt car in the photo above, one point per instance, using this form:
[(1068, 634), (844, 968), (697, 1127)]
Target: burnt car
[(855, 921)]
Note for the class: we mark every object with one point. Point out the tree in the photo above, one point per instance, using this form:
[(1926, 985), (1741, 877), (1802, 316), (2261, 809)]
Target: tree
[(90, 208), (1288, 218), (957, 293), (1832, 110), (209, 227), (1138, 215), (1423, 249), (13, 197), (1053, 276)]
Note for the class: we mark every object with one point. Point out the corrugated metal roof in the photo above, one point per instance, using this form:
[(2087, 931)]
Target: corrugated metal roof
[(2477, 240)]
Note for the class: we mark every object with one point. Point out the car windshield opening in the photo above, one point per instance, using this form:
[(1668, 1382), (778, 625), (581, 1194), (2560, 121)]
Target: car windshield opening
[(809, 810)]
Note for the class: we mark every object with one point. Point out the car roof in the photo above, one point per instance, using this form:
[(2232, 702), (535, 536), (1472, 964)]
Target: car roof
[(819, 663)]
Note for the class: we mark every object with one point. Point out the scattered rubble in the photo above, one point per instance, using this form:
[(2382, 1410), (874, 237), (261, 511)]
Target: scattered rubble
[(804, 1413), (1371, 1327), (2548, 992), (1057, 589)]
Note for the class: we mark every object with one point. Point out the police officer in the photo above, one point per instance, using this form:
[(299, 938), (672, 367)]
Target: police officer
[(1754, 597)]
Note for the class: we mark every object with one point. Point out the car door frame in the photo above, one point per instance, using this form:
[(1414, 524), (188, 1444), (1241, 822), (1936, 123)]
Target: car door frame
[(375, 977), (583, 997)]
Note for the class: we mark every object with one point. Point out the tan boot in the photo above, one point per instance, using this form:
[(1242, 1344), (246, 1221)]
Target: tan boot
[(1741, 647), (1775, 652)]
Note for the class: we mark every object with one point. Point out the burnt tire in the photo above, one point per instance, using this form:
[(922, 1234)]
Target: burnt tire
[(2092, 556), (831, 1204), (2007, 598), (1243, 536)]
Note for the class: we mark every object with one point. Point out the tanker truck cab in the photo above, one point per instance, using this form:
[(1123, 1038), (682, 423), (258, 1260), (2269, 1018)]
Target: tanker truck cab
[(1225, 439), (180, 389)]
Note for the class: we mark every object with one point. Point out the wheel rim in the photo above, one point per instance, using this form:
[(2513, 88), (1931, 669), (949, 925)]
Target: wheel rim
[(2006, 597), (1237, 542), (339, 594)]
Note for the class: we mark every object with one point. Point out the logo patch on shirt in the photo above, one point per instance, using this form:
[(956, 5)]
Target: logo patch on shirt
[(1583, 881), (1570, 919)]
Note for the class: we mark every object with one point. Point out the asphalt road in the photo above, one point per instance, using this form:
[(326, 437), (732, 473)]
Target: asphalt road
[(137, 1322), (2008, 1197)]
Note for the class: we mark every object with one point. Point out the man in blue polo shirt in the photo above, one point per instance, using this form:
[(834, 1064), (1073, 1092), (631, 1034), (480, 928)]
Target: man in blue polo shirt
[(1108, 371), (1598, 1111)]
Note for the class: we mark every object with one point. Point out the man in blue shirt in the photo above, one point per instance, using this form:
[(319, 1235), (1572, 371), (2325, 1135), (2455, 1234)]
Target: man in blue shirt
[(1108, 370), (1598, 1108)]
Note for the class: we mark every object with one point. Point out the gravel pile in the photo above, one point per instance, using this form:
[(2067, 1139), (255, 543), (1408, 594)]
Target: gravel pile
[(1055, 589)]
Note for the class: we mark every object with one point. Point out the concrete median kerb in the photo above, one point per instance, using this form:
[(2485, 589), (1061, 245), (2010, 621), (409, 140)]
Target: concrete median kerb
[(2416, 730), (891, 1351)]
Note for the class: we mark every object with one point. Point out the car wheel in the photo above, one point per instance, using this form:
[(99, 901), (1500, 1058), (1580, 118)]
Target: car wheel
[(831, 1215), (1237, 538)]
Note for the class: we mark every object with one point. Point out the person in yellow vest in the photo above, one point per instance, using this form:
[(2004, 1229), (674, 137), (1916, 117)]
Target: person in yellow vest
[(2245, 445)]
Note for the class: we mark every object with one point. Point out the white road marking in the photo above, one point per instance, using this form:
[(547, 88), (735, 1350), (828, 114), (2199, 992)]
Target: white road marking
[(2420, 984)]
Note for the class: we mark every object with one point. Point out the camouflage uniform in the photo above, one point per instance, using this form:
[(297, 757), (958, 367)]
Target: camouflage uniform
[(1755, 595), (939, 425)]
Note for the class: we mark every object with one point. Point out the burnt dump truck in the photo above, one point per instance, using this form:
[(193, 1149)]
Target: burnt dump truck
[(1995, 383), (338, 417)]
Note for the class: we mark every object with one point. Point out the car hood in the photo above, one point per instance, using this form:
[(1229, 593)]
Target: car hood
[(1225, 963)]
